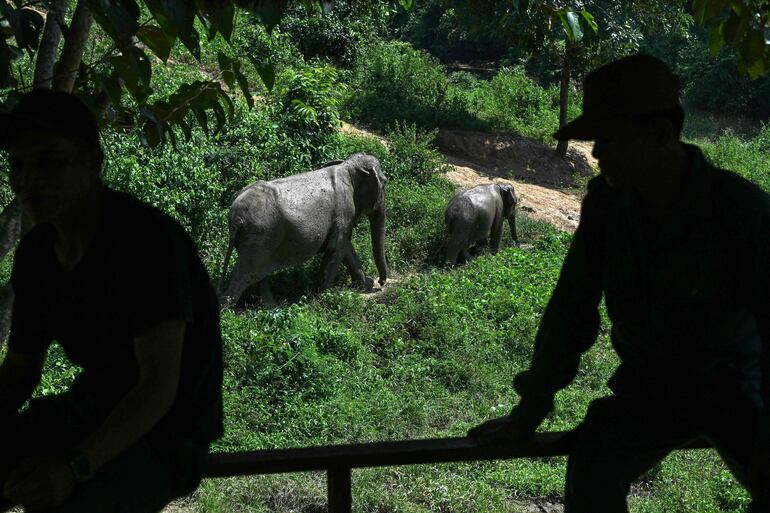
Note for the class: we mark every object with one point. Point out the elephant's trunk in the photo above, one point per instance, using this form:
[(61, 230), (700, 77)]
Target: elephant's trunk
[(377, 222)]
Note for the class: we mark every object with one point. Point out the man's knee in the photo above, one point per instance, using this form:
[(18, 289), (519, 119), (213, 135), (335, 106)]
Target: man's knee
[(595, 485)]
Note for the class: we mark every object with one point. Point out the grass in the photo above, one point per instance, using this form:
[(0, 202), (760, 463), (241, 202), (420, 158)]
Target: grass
[(432, 357)]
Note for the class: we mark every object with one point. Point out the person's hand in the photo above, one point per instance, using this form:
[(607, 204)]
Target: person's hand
[(40, 483), (518, 426)]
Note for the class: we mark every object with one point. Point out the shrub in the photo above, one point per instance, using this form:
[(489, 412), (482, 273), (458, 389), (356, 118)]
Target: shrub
[(413, 155), (513, 102), (392, 81)]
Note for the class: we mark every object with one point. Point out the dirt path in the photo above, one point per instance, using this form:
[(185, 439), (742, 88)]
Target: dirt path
[(542, 181)]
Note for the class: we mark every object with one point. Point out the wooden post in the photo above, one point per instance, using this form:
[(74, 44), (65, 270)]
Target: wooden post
[(338, 490)]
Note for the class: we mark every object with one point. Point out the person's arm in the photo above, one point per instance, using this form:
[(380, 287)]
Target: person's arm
[(44, 482), (568, 328), (158, 354)]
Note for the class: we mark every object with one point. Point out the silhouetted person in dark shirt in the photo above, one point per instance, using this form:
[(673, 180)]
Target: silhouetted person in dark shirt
[(119, 285), (681, 252)]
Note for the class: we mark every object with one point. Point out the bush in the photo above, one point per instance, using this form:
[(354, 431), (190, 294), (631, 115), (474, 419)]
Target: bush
[(306, 105), (513, 102), (393, 82), (339, 34)]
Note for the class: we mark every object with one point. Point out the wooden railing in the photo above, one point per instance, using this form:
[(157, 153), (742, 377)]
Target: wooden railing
[(339, 460)]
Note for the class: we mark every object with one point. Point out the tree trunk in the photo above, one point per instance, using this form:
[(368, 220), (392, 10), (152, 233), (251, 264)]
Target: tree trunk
[(49, 43), (72, 53), (561, 147)]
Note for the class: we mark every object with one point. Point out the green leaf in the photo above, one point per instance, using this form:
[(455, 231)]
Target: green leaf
[(571, 23), (229, 77), (716, 40), (219, 115), (753, 47), (203, 121), (119, 18), (31, 26), (406, 4), (186, 130), (266, 73), (699, 10), (590, 20), (156, 40), (758, 69), (113, 88), (244, 85), (220, 15), (225, 62), (270, 12), (734, 29), (713, 9), (151, 132), (228, 103), (130, 76), (182, 16), (160, 15), (134, 68)]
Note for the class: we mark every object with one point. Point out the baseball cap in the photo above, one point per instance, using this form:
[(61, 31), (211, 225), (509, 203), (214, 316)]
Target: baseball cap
[(48, 111), (636, 86)]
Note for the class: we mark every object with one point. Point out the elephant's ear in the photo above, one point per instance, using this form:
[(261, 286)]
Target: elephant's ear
[(509, 197)]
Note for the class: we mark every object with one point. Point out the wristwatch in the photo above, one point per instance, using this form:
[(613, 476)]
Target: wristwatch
[(80, 465)]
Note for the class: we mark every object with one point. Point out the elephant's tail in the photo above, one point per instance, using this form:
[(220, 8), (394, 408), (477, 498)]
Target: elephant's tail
[(230, 245)]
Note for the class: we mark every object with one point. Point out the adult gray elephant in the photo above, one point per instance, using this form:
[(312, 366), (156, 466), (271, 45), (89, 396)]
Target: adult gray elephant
[(287, 221), (475, 214)]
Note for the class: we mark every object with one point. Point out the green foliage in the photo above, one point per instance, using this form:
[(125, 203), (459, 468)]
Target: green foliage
[(745, 26), (392, 81), (434, 27), (338, 34), (512, 101), (749, 158), (711, 83)]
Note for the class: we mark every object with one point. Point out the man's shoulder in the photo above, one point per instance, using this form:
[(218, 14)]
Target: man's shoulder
[(736, 195), (139, 217)]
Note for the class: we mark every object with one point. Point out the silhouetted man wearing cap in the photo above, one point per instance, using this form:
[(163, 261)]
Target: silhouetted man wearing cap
[(119, 285), (681, 252)]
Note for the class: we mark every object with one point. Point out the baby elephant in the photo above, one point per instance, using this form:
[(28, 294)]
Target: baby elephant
[(473, 215)]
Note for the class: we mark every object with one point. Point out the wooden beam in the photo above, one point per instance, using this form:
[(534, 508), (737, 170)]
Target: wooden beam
[(338, 489), (381, 454)]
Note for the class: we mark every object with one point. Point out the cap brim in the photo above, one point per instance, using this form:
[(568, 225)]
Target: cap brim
[(582, 128)]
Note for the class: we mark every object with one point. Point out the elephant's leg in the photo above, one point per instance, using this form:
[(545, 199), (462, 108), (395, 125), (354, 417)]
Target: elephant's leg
[(478, 247), (496, 235), (330, 264), (250, 268), (356, 270), (466, 257), (265, 294), (453, 250)]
